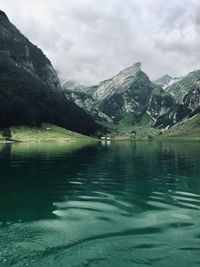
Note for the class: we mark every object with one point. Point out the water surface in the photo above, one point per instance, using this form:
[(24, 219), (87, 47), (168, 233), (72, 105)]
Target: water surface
[(120, 204)]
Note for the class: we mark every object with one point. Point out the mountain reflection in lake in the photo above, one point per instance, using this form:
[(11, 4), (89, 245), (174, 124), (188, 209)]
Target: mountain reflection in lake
[(123, 204)]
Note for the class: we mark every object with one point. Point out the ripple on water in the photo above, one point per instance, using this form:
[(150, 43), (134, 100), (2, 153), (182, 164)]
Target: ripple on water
[(130, 204)]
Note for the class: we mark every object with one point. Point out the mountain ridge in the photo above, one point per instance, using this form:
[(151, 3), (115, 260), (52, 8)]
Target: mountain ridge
[(166, 101), (128, 97), (187, 99), (167, 80)]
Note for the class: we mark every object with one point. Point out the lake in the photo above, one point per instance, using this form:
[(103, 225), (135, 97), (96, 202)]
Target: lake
[(116, 204)]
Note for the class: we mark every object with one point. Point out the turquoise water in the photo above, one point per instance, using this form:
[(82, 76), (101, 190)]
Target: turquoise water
[(119, 204)]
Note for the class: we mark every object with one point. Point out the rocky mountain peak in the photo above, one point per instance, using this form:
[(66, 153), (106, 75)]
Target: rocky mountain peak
[(166, 78), (72, 85), (132, 70), (17, 49), (166, 81), (3, 18), (3, 15), (128, 98)]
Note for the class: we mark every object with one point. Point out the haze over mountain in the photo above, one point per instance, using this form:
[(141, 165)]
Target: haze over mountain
[(30, 91), (74, 86), (167, 80), (78, 34)]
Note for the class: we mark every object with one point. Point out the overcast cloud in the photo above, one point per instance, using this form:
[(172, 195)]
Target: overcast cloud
[(91, 40)]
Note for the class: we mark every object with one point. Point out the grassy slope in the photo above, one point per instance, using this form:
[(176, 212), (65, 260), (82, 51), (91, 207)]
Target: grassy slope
[(185, 130), (47, 133), (142, 133), (188, 129)]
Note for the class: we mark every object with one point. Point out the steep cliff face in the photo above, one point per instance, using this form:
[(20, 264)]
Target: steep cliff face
[(179, 89), (129, 97), (24, 54), (30, 91), (187, 95), (160, 103), (167, 80), (74, 86), (192, 99)]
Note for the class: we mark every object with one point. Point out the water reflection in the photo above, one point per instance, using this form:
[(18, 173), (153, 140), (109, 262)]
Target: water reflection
[(35, 176), (63, 200)]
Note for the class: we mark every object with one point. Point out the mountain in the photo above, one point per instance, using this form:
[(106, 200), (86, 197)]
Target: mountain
[(188, 128), (130, 98), (73, 86), (24, 54), (166, 81), (181, 88), (30, 91), (187, 95), (127, 99)]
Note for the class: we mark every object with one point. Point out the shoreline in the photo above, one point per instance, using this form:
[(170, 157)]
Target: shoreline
[(47, 133)]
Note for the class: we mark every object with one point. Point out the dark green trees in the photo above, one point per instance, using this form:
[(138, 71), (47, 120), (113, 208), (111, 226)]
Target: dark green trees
[(6, 133), (30, 91)]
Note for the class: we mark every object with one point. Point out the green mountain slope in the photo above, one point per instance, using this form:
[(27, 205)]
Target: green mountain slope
[(189, 128), (187, 95), (47, 133), (182, 87), (30, 91)]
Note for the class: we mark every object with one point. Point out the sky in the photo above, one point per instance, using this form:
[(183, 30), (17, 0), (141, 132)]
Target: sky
[(92, 40)]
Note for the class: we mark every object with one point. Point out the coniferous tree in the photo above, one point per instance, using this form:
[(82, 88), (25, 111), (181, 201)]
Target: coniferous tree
[(7, 134)]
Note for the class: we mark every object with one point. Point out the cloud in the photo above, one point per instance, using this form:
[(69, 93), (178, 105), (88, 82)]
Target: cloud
[(92, 40)]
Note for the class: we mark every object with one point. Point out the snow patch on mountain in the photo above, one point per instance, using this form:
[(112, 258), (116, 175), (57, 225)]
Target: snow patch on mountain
[(167, 80)]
